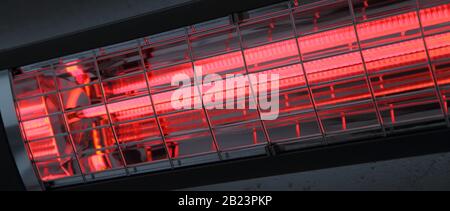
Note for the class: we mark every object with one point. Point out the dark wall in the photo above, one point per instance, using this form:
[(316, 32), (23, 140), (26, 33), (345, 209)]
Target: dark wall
[(34, 31), (23, 21), (430, 172)]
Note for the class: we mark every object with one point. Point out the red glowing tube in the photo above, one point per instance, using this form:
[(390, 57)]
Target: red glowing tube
[(321, 72), (38, 129), (379, 28), (320, 41), (316, 42), (97, 162), (44, 149)]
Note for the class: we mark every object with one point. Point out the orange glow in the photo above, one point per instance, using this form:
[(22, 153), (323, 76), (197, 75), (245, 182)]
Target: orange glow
[(97, 162)]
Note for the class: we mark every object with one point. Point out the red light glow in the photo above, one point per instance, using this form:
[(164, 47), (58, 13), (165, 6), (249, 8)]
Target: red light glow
[(323, 72)]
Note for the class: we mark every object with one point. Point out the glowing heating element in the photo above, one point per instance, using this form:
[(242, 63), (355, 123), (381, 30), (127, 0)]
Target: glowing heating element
[(327, 69), (143, 128)]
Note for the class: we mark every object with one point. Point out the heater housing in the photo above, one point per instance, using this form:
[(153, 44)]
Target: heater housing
[(349, 71)]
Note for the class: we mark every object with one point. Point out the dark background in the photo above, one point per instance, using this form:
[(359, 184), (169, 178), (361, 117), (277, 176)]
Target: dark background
[(36, 30)]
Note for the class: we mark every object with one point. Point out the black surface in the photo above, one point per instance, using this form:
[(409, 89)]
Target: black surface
[(312, 159), (152, 23), (9, 176)]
